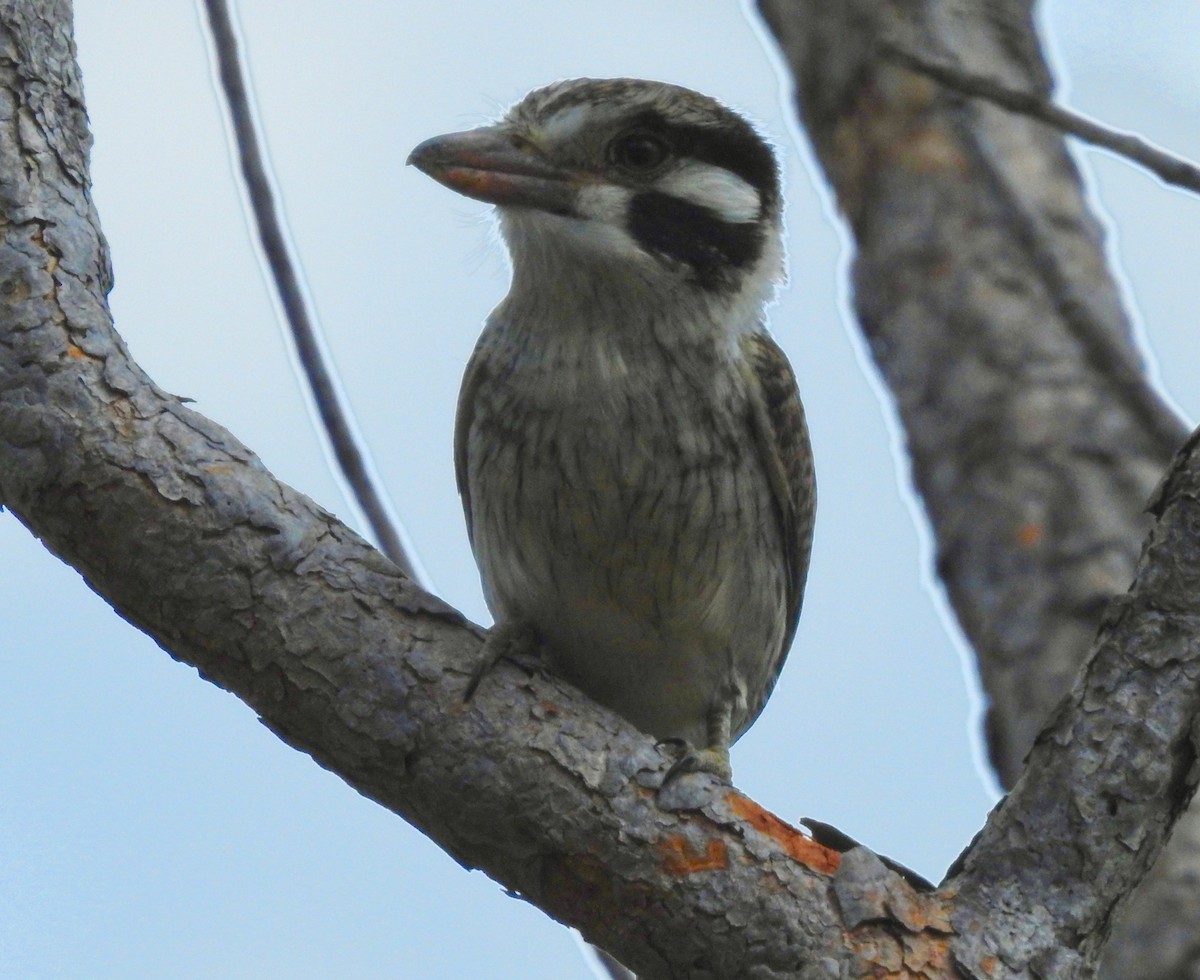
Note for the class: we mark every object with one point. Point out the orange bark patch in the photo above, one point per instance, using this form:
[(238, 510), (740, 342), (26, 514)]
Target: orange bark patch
[(681, 858), (76, 352), (799, 846)]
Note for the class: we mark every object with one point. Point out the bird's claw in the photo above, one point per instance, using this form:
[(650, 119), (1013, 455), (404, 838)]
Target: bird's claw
[(505, 641), (714, 760)]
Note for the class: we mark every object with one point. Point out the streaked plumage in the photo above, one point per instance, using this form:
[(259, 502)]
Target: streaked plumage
[(630, 445)]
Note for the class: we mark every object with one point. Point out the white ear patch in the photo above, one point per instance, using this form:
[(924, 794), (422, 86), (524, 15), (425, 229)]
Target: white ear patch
[(719, 190)]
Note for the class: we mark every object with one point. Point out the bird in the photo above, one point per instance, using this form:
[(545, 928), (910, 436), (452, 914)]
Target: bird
[(630, 445)]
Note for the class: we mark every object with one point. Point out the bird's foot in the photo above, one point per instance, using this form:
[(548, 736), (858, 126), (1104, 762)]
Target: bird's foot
[(714, 760), (512, 640)]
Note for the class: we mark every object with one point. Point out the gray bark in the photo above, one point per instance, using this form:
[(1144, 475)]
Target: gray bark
[(190, 539), (982, 288)]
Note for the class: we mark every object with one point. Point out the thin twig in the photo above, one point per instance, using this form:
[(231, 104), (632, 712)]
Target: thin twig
[(335, 414), (1166, 166)]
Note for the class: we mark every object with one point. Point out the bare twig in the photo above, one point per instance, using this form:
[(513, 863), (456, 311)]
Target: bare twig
[(1166, 166), (352, 457)]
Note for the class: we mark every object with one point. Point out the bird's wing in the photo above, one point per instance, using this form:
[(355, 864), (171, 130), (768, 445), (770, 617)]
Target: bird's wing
[(781, 438), (462, 432)]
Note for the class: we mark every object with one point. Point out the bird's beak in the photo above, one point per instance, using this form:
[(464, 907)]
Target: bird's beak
[(488, 165)]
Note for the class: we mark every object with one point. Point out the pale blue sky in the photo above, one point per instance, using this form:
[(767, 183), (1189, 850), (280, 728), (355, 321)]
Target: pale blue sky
[(149, 826)]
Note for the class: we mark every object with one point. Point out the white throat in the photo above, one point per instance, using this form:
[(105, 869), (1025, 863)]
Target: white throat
[(572, 276)]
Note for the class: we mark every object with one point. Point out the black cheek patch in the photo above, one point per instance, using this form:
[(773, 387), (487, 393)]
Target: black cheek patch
[(694, 235)]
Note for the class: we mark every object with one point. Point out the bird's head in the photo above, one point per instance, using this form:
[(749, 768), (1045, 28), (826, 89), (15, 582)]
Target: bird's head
[(635, 181)]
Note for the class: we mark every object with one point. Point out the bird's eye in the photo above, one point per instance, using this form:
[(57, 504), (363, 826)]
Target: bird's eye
[(639, 152)]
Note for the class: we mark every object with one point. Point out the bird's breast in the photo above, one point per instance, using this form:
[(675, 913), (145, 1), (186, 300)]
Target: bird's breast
[(618, 506), (617, 452)]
